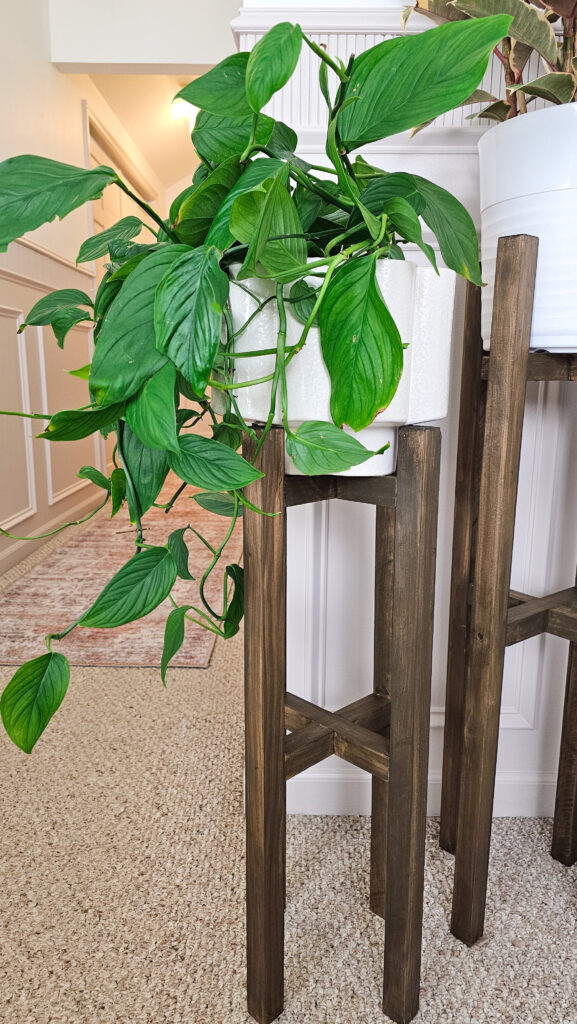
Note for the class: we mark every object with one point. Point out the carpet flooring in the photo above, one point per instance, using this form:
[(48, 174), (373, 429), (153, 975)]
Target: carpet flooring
[(122, 880), (64, 581)]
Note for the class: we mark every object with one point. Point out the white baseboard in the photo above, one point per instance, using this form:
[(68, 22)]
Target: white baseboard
[(334, 790)]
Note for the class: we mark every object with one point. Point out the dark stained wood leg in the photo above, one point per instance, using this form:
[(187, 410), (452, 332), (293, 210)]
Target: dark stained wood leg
[(265, 684), (511, 330), (384, 576), (564, 845), (412, 639), (471, 416)]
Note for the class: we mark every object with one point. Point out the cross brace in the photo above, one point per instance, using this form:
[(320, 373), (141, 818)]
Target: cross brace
[(529, 616)]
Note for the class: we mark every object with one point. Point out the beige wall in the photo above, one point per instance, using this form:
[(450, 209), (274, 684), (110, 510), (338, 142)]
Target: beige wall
[(45, 114)]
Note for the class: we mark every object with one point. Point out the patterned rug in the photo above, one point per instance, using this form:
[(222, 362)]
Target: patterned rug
[(63, 585)]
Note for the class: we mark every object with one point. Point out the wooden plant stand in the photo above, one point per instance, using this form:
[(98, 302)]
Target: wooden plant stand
[(386, 732), (485, 616)]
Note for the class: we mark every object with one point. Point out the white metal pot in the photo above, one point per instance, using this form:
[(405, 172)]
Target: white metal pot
[(528, 169), (422, 305)]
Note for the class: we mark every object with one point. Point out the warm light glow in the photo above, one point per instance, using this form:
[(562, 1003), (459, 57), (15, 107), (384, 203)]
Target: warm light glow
[(180, 109)]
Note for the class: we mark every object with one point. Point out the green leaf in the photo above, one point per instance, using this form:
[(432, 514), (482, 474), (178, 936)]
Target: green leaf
[(220, 233), (148, 469), (234, 606), (528, 26), (360, 344), (410, 79), (188, 312), (222, 89), (126, 354), (44, 311), (302, 299), (73, 424), (408, 226), (107, 291), (498, 111), (210, 464), (267, 220), (64, 321), (98, 478), (221, 503), (135, 590), (477, 96), (557, 87), (317, 448), (173, 637), (216, 138), (197, 212), (271, 63), (229, 431), (117, 490), (83, 372), (98, 245), (35, 190), (308, 206), (179, 552), (32, 696), (151, 414)]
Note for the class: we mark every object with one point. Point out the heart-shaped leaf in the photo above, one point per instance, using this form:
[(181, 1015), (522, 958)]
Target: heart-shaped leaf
[(151, 414), (361, 345), (134, 591), (210, 464), (271, 63), (32, 696), (188, 314), (35, 190), (318, 448)]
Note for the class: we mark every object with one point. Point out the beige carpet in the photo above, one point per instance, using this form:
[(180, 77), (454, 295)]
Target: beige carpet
[(122, 866), (63, 580)]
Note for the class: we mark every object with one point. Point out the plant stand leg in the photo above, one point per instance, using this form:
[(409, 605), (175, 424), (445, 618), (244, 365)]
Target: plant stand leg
[(265, 684), (510, 335), (412, 639), (383, 645), (471, 423), (564, 846)]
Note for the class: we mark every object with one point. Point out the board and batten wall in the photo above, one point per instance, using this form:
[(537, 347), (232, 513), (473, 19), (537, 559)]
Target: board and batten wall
[(330, 598), (47, 114)]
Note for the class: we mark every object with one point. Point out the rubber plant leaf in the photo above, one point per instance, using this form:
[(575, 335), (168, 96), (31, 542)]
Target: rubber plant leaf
[(32, 696), (529, 25), (188, 310), (35, 190), (555, 88), (410, 79), (360, 343)]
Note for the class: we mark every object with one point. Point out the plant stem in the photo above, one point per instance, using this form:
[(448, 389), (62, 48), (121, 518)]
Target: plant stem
[(243, 384), (130, 488), (245, 156), (327, 60), (214, 561), (26, 415), (148, 209), (63, 526), (305, 333)]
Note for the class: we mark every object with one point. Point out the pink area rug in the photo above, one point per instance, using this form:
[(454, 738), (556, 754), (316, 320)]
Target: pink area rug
[(62, 586)]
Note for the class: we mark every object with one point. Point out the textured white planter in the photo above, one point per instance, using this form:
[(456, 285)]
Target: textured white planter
[(528, 169), (422, 305)]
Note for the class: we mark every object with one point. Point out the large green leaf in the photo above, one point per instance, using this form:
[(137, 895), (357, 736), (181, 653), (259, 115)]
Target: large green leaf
[(216, 137), (188, 314), (73, 424), (44, 311), (266, 219), (134, 591), (317, 448), (528, 26), (271, 63), (407, 225), (210, 464), (32, 696), (409, 79), (99, 245), (63, 322), (126, 354), (173, 637), (360, 344), (35, 190), (148, 469), (220, 233), (151, 414), (557, 87), (222, 89), (197, 212)]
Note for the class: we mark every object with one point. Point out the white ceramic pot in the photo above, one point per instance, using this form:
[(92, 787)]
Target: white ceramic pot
[(528, 169), (422, 305)]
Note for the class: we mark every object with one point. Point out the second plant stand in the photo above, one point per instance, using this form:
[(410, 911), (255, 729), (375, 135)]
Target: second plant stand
[(386, 733)]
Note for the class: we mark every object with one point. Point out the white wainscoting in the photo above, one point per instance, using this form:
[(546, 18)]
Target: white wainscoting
[(330, 570)]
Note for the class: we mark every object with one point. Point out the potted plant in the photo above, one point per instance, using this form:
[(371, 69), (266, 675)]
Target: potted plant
[(166, 314), (528, 163)]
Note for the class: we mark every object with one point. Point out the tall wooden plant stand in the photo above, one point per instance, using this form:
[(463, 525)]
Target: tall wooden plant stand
[(386, 732), (485, 616)]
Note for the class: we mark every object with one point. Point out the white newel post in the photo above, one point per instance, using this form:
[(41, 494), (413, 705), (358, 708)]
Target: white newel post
[(330, 564)]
